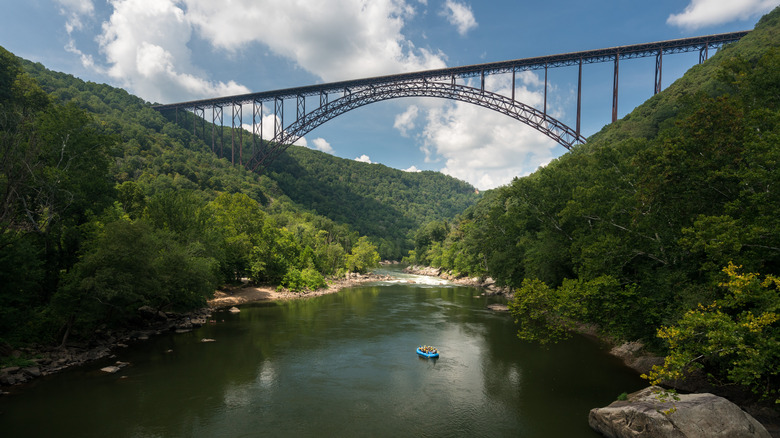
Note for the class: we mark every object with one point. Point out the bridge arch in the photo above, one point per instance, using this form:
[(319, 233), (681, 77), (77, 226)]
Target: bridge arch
[(305, 123)]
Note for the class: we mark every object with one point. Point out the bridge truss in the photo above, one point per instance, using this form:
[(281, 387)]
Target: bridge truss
[(442, 83)]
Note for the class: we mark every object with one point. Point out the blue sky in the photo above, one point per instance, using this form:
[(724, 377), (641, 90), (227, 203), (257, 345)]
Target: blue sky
[(175, 50)]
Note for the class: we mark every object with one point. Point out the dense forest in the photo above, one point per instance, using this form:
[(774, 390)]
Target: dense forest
[(109, 206), (376, 200), (663, 228)]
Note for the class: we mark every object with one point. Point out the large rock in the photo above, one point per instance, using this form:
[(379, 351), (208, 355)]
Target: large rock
[(645, 414)]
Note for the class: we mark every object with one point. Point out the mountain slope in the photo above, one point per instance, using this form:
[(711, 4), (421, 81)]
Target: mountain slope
[(378, 201)]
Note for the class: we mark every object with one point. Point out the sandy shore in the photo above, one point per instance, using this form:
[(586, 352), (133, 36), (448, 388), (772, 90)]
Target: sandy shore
[(250, 294)]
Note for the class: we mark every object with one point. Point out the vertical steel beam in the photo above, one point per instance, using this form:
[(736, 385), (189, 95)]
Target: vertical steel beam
[(301, 107), (615, 90), (216, 115), (659, 59), (513, 84), (323, 99), (200, 113), (704, 52), (195, 115), (452, 82), (278, 116), (238, 110), (257, 128), (579, 99), (482, 86), (545, 89)]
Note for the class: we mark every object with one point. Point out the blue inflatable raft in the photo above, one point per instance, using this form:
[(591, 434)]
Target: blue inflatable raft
[(428, 352)]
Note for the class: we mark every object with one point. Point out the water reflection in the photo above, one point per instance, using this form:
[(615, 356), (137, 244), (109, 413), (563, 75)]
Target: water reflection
[(336, 365)]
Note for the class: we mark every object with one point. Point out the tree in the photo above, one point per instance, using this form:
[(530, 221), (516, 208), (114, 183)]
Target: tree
[(734, 339), (363, 256)]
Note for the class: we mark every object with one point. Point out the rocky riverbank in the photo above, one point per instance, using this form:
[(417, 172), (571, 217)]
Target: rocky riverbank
[(150, 322), (50, 360), (487, 284)]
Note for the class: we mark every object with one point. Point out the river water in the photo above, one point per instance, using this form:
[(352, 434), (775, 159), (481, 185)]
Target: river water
[(337, 365)]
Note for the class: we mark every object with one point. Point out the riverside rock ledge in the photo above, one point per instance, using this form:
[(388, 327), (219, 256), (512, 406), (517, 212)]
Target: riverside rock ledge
[(645, 414)]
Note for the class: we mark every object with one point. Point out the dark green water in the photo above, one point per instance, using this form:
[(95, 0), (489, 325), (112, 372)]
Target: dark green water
[(337, 365)]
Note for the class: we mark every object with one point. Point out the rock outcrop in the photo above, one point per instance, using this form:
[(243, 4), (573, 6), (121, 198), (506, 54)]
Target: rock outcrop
[(649, 414)]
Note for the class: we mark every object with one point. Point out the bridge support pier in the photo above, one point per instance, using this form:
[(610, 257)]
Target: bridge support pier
[(579, 99), (257, 128), (545, 90), (615, 90), (278, 116), (237, 114), (199, 113), (658, 67), (216, 115)]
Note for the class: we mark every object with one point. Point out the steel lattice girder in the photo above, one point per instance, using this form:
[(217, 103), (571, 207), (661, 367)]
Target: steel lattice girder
[(532, 117), (450, 74)]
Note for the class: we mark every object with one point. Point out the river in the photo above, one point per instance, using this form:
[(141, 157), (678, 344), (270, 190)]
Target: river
[(336, 365)]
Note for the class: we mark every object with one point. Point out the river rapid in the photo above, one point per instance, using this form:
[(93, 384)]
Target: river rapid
[(335, 365)]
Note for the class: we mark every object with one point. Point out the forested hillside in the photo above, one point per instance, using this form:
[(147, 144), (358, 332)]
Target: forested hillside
[(664, 227), (376, 200), (109, 206)]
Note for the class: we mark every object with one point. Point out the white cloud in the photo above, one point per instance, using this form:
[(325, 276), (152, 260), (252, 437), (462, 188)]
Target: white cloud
[(334, 40), (412, 169), (460, 16), (364, 159), (484, 147), (75, 10), (702, 13), (405, 121), (322, 145), (145, 45)]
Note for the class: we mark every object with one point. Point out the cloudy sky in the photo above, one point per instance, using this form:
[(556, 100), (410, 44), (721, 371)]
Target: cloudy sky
[(168, 51)]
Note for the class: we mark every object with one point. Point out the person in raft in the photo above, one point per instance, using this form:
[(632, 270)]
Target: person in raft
[(427, 349)]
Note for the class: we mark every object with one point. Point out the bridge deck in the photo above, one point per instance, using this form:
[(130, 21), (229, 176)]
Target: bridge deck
[(611, 54)]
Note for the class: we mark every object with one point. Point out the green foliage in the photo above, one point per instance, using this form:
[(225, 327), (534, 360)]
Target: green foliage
[(306, 279), (735, 339), (539, 312), (363, 256), (383, 203), (629, 231), (107, 206)]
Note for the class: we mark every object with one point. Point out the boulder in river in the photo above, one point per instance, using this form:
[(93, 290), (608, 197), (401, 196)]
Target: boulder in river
[(649, 414)]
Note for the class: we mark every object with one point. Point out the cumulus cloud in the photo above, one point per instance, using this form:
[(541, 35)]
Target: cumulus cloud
[(460, 16), (412, 169), (321, 144), (364, 159), (334, 40), (702, 13), (405, 121), (484, 147), (145, 45)]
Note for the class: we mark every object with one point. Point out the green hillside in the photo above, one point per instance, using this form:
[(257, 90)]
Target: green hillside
[(663, 227), (109, 206), (378, 201)]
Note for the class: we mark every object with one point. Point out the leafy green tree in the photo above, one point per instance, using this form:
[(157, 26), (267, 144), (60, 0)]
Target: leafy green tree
[(238, 221), (734, 339), (363, 256), (540, 312)]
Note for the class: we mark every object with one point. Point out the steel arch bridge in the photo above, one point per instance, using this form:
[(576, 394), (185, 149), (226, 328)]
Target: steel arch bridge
[(441, 83), (532, 117)]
